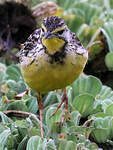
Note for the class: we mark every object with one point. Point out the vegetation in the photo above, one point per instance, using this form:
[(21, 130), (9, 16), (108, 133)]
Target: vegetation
[(90, 98)]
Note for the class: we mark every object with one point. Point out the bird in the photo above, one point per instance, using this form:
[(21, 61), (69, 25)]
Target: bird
[(52, 58)]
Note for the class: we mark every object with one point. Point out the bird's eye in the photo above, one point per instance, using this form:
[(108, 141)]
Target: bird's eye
[(60, 32), (42, 30)]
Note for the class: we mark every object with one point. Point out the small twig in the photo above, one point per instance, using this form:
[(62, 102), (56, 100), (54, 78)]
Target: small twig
[(94, 43), (22, 94), (17, 113), (87, 123)]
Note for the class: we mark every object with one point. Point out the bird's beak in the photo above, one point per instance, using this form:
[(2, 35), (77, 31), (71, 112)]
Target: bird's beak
[(48, 35)]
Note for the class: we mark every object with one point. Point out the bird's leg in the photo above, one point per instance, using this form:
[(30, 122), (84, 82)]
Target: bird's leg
[(56, 109), (66, 103), (40, 105), (64, 100), (63, 115)]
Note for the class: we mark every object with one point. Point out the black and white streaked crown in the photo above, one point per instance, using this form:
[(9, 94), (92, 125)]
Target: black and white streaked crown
[(53, 22)]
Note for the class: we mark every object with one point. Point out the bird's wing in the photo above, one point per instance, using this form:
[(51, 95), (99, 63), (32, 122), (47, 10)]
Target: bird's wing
[(31, 44), (77, 45)]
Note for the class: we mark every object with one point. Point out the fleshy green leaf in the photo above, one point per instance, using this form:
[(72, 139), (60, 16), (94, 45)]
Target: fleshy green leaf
[(109, 110), (5, 119), (102, 129), (35, 143), (67, 145), (51, 145), (23, 143), (18, 105), (13, 73), (75, 23), (31, 103), (84, 104), (3, 137), (105, 93), (108, 32), (55, 118), (51, 98), (90, 85), (89, 11), (100, 135), (109, 61), (75, 117)]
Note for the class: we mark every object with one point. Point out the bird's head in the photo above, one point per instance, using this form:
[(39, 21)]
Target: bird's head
[(53, 34)]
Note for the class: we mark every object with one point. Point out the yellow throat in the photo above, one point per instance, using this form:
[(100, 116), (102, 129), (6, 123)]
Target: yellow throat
[(53, 45)]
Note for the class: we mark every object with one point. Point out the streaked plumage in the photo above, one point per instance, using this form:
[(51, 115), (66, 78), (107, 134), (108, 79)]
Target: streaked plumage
[(52, 58), (44, 72)]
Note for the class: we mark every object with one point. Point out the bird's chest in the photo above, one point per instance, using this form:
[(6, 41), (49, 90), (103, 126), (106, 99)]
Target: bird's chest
[(43, 75), (46, 64)]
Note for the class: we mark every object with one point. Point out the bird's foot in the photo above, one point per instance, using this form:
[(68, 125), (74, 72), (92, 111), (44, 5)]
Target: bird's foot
[(64, 100)]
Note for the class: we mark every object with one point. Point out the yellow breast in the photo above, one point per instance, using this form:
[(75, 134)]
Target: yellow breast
[(53, 45), (42, 76)]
